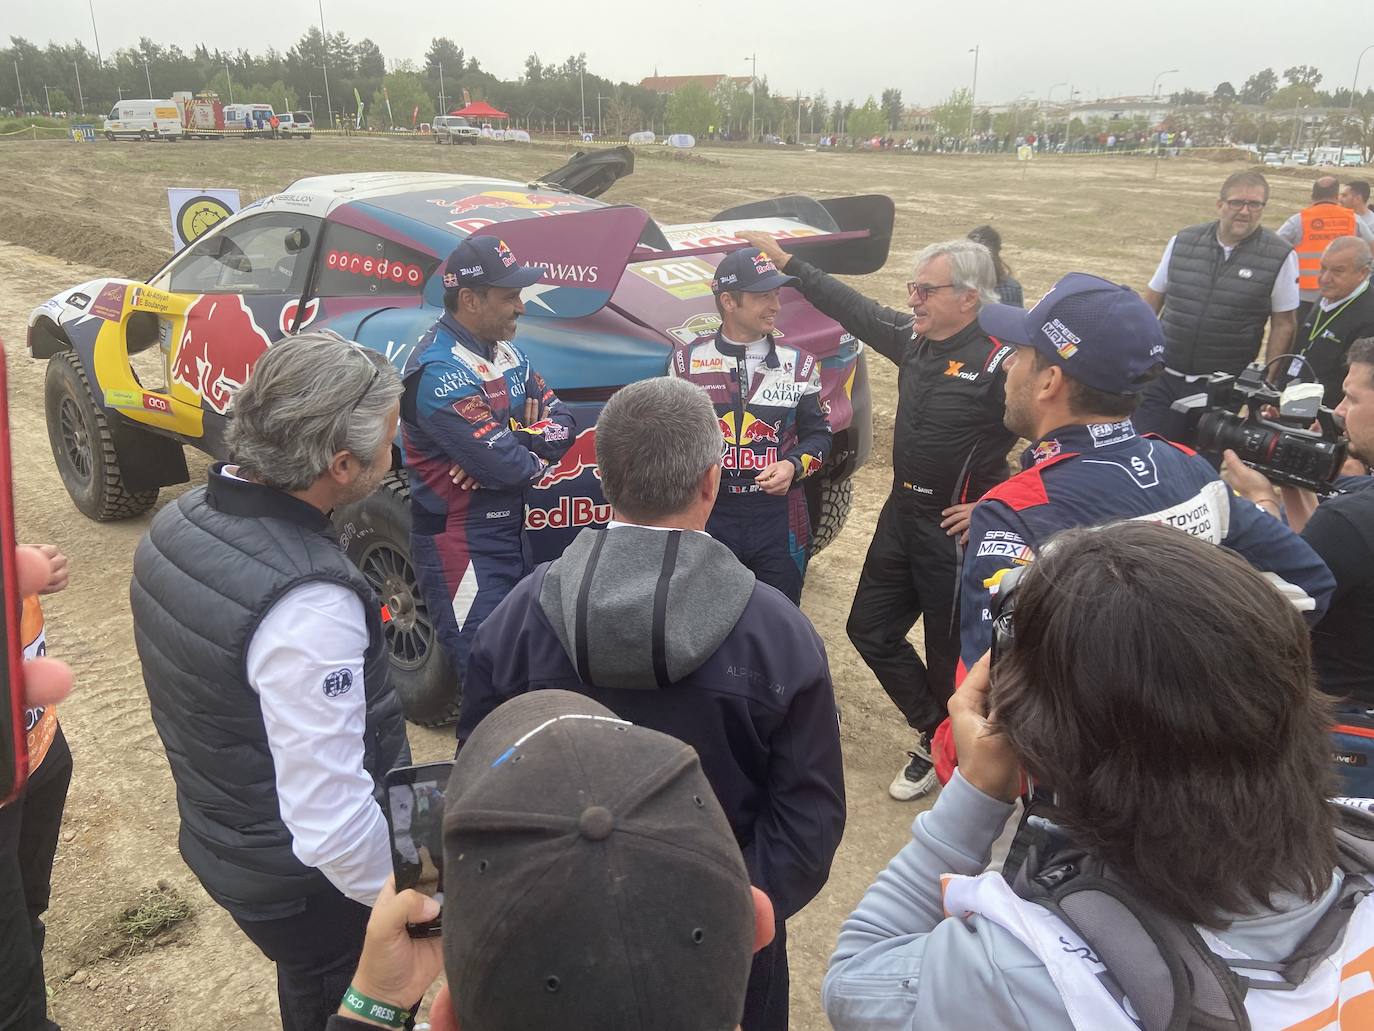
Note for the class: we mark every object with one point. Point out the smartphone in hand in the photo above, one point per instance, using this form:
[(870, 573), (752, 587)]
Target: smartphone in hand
[(415, 818), (14, 754)]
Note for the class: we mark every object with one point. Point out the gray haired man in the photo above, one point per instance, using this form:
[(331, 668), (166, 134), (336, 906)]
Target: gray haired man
[(266, 668), (949, 447), (659, 622)]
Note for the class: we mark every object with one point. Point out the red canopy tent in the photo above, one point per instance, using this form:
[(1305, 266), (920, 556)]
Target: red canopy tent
[(479, 109)]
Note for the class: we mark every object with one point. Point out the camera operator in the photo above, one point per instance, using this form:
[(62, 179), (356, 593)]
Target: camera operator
[(1341, 530), (1186, 741)]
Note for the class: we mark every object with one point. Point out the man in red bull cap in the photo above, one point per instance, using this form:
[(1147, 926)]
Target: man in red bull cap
[(479, 425), (767, 399)]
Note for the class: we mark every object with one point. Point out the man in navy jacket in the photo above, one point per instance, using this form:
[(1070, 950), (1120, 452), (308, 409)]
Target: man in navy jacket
[(659, 622)]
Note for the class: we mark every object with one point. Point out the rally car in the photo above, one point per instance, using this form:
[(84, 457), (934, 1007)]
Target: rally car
[(360, 254)]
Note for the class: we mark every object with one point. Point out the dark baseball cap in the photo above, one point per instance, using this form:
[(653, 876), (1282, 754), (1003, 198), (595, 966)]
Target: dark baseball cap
[(751, 271), (591, 878), (1102, 334), (486, 261)]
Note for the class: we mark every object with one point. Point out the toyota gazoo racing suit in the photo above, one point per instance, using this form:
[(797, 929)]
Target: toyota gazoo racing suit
[(776, 417), (463, 405), (1088, 475)]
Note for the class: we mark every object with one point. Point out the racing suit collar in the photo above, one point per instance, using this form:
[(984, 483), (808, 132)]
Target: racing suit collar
[(737, 352), (1077, 438), (464, 336), (973, 329)]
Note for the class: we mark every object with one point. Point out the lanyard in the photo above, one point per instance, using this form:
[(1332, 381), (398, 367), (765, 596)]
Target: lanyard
[(1317, 327)]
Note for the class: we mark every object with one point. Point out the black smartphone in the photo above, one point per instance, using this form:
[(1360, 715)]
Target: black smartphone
[(14, 752), (415, 817)]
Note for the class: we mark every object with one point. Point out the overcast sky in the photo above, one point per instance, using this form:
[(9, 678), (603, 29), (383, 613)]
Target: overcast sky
[(849, 50)]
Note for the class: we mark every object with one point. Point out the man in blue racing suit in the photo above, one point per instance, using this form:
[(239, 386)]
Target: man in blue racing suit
[(768, 399), (1083, 355), (478, 425)]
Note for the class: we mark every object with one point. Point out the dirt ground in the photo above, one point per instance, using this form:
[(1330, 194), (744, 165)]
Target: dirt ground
[(69, 213)]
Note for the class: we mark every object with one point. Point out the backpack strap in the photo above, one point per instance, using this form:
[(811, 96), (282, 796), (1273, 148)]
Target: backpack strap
[(1173, 981)]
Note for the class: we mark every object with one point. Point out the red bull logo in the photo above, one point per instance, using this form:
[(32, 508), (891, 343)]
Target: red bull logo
[(763, 264), (507, 258), (567, 513), (757, 429), (219, 346), (743, 457), (575, 461), (497, 199)]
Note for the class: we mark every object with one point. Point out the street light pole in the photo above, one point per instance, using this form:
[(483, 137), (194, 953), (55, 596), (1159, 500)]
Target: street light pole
[(98, 60), (311, 98), (443, 108), (600, 126), (1154, 85), (753, 93), (230, 79), (973, 93), (19, 83), (324, 63), (149, 76), (47, 101), (1068, 116), (80, 97), (1350, 108), (582, 92)]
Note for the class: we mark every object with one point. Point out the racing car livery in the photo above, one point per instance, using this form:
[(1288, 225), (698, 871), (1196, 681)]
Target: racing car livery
[(359, 254)]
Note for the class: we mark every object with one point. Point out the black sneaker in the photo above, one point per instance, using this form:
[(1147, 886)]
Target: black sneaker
[(917, 776)]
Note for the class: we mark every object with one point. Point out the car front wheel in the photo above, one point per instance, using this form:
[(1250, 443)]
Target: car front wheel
[(83, 447)]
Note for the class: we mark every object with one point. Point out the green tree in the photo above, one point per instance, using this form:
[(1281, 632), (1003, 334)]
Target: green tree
[(1303, 75), (1259, 87), (1225, 93), (692, 110), (868, 121), (443, 53), (952, 117), (407, 91), (367, 57), (892, 107)]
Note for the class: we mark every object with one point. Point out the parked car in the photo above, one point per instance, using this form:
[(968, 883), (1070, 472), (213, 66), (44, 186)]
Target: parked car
[(361, 254), (455, 129), (299, 124), (144, 120)]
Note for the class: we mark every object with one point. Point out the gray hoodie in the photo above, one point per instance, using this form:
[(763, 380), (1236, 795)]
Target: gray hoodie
[(901, 964)]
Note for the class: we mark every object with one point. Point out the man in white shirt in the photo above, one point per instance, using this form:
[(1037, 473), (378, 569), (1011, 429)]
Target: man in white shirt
[(266, 665), (1216, 288), (1355, 196)]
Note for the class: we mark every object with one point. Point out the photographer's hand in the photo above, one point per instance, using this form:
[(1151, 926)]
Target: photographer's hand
[(395, 968), (985, 758)]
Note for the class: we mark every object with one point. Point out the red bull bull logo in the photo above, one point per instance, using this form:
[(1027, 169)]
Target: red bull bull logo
[(507, 258), (575, 461), (219, 346), (742, 456)]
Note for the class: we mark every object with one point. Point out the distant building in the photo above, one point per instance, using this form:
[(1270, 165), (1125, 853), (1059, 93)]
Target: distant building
[(672, 83)]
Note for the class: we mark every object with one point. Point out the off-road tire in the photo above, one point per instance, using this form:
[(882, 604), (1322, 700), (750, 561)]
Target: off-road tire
[(83, 447), (375, 534), (110, 136), (143, 136), (836, 497)]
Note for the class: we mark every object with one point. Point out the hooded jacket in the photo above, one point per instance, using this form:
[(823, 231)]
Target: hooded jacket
[(668, 630)]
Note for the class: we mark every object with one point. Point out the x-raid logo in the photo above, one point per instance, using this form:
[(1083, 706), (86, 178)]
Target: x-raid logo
[(1063, 339), (956, 369)]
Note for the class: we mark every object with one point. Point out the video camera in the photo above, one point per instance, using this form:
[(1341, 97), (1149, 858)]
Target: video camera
[(1283, 449)]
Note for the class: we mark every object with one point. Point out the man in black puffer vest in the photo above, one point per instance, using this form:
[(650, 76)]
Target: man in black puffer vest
[(266, 667), (1217, 286)]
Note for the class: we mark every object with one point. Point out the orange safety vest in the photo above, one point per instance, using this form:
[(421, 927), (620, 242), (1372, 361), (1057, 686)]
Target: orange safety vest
[(1321, 223), (40, 724)]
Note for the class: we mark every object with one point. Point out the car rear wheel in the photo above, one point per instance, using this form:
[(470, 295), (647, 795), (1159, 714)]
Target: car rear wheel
[(375, 534), (83, 447), (110, 136), (833, 501)]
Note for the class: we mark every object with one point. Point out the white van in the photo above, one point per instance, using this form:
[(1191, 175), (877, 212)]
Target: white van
[(144, 120)]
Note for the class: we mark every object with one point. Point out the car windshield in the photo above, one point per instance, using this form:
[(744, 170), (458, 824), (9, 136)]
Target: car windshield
[(301, 116)]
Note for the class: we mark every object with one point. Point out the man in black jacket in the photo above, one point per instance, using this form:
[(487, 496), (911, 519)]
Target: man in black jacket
[(949, 447), (659, 622), (266, 666), (1217, 286), (1342, 314)]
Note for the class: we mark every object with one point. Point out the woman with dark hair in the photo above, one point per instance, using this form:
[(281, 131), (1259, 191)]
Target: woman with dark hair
[(1164, 689), (1007, 288)]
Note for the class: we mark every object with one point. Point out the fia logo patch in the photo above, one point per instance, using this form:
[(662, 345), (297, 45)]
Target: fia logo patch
[(338, 683)]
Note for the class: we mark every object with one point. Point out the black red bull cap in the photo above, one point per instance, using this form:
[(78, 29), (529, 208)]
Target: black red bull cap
[(486, 261), (751, 271)]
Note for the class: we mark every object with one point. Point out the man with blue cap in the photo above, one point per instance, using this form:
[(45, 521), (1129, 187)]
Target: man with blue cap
[(1083, 356), (478, 425), (767, 397)]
